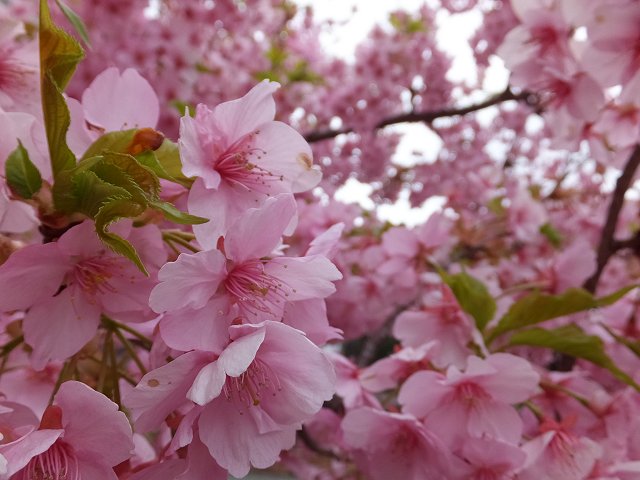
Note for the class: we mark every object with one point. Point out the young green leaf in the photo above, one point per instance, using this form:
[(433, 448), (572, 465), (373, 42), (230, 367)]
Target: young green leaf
[(59, 56), (539, 307), (76, 21), (553, 235), (473, 297), (168, 156), (23, 177), (572, 340), (114, 210), (110, 142), (173, 214)]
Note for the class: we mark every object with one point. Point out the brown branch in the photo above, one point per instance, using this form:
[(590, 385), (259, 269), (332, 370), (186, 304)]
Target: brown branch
[(608, 245), (430, 116)]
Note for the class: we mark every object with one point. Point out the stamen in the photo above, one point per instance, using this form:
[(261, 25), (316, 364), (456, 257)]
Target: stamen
[(240, 165), (249, 388), (57, 463), (255, 290)]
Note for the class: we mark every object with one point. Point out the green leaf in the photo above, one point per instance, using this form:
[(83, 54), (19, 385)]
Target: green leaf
[(173, 214), (110, 142), (302, 73), (168, 156), (553, 235), (572, 340), (114, 210), (473, 297), (539, 307), (76, 21), (277, 56), (23, 178), (59, 56), (149, 160), (632, 345), (407, 24), (181, 106), (495, 206), (90, 193), (144, 179)]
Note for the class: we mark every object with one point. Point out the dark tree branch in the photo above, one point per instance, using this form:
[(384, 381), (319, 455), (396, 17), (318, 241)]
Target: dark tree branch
[(430, 116), (377, 339), (608, 245)]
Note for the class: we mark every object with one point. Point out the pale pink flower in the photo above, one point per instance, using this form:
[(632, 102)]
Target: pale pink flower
[(442, 320), (613, 55), (240, 156), (392, 445), (81, 436), (19, 69), (526, 216), (65, 286), (258, 391), (348, 384), (114, 101), (198, 465), (389, 372), (573, 265), (200, 290), (475, 403), (558, 453), (489, 459)]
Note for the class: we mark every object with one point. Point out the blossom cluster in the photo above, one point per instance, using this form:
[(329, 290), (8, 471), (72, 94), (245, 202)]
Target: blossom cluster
[(183, 297)]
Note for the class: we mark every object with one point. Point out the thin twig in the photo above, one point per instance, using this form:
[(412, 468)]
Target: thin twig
[(429, 116)]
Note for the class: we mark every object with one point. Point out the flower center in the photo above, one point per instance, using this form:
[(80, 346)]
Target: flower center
[(404, 441), (57, 463), (250, 387), (255, 290), (239, 165), (93, 274), (471, 394)]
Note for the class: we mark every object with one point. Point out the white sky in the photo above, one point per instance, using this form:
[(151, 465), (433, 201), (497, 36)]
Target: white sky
[(352, 20)]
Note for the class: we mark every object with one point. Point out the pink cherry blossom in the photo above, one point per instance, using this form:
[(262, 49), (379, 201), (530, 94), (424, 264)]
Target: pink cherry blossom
[(557, 453), (76, 279), (247, 275), (114, 101), (258, 390), (474, 403), (241, 156), (395, 445), (82, 435)]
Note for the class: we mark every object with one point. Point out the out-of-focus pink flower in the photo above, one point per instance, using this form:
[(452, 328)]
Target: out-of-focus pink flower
[(614, 35), (241, 156), (82, 435), (393, 445), (114, 101), (489, 459), (557, 453), (19, 68), (348, 384), (441, 320), (474, 403)]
